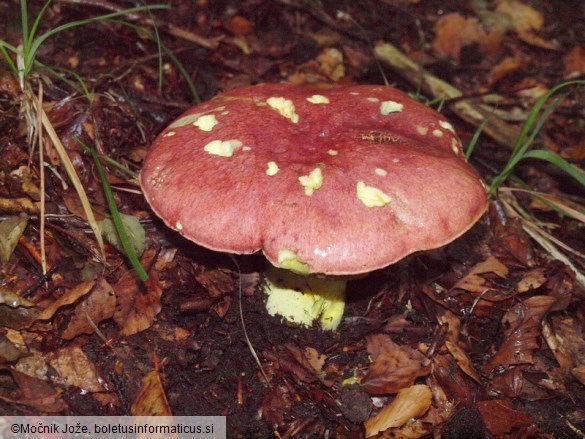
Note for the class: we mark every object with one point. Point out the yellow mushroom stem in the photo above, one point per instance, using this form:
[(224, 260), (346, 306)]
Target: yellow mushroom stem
[(304, 299)]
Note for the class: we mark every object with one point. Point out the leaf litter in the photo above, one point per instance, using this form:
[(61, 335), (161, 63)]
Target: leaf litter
[(488, 330)]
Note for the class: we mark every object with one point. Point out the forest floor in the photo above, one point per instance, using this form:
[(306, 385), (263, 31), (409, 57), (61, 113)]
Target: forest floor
[(491, 326)]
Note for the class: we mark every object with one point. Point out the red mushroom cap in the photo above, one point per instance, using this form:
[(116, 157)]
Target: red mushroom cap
[(347, 179)]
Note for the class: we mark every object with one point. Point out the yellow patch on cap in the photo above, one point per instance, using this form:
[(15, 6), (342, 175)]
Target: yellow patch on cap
[(223, 148), (371, 196), (312, 182), (272, 169), (388, 107), (285, 107), (206, 123), (318, 99)]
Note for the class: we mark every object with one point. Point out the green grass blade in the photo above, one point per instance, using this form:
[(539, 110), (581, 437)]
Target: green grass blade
[(536, 109), (55, 71), (475, 138), (117, 219), (36, 43), (3, 47), (530, 130), (24, 20), (27, 42), (551, 157), (171, 56)]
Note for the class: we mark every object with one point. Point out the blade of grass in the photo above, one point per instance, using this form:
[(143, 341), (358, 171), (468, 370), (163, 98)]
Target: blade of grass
[(109, 160), (143, 31), (70, 169), (551, 157), (475, 138), (38, 41), (116, 218), (530, 130)]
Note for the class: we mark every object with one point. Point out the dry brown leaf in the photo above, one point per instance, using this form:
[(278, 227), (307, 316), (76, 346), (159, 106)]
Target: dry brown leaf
[(35, 392), (531, 280), (475, 283), (377, 344), (463, 361), (453, 324), (565, 337), (395, 368), (331, 63), (74, 368), (579, 373), (152, 399), (506, 67), (98, 306), (68, 298), (453, 381), (412, 402), (137, 303), (575, 62), (526, 21), (453, 32), (217, 282), (523, 329), (500, 417)]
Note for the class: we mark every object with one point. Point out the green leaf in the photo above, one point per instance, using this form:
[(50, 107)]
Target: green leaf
[(134, 230)]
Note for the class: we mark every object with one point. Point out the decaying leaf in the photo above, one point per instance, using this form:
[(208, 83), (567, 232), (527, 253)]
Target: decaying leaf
[(152, 399), (35, 392), (474, 282), (13, 300), (500, 417), (74, 368), (412, 402), (453, 32), (11, 229), (526, 21), (98, 306), (137, 304), (394, 368), (462, 360), (533, 279), (134, 230), (523, 323), (217, 282), (565, 337), (68, 298)]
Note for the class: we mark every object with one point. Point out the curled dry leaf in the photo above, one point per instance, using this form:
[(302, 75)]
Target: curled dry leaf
[(462, 360), (412, 402), (98, 306), (152, 399), (474, 282), (68, 298), (565, 337)]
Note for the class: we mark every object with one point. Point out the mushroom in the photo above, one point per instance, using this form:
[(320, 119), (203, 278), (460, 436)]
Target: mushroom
[(327, 183)]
